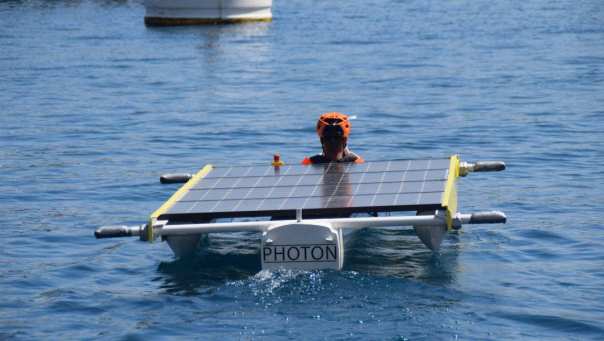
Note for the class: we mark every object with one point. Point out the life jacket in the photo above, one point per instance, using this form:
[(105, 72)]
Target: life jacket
[(320, 158)]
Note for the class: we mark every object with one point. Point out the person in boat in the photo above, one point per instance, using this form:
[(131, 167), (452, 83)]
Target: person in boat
[(333, 129)]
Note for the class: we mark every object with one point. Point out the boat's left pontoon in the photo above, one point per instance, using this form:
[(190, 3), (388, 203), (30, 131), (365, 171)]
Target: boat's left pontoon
[(308, 210)]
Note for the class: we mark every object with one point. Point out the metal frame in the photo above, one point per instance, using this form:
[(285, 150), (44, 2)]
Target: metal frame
[(163, 228)]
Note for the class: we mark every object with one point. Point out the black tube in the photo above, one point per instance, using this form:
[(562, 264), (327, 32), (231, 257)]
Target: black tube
[(113, 232), (489, 166), (488, 218), (175, 178)]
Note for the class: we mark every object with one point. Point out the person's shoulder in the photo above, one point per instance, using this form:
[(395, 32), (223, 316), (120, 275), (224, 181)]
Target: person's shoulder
[(315, 159), (354, 157)]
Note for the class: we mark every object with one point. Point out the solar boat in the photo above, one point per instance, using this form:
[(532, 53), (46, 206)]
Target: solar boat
[(304, 213)]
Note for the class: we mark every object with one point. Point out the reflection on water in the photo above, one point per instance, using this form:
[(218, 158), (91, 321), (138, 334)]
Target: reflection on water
[(241, 43), (203, 273), (399, 253), (221, 258)]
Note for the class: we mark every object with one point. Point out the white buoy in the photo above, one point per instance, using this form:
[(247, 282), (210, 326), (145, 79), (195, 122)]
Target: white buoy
[(200, 12)]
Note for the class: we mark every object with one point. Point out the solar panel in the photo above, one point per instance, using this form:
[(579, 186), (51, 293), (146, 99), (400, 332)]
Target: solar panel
[(327, 190)]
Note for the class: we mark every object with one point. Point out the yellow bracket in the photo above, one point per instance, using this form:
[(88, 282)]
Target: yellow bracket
[(173, 199), (449, 198)]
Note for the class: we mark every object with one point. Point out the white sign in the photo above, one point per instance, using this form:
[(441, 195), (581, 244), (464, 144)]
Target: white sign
[(300, 253), (302, 246)]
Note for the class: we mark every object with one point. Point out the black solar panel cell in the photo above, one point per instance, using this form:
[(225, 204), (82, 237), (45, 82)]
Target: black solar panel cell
[(320, 189)]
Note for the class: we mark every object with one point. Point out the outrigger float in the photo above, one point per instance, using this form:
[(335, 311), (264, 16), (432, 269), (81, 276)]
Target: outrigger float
[(304, 213)]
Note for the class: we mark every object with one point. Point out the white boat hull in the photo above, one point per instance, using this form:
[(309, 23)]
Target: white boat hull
[(305, 245), (191, 12), (298, 246)]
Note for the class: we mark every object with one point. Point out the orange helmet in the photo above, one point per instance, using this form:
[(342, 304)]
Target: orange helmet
[(333, 124)]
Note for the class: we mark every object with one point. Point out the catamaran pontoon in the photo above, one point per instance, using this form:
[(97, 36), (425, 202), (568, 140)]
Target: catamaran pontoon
[(309, 210)]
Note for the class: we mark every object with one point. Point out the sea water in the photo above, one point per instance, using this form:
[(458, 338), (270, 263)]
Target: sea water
[(95, 106)]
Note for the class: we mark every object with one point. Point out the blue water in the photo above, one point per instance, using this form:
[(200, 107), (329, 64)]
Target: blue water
[(95, 106)]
